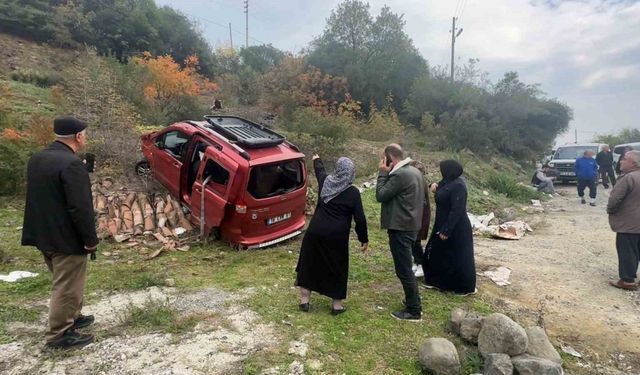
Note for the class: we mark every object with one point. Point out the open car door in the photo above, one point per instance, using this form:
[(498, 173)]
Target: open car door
[(212, 187)]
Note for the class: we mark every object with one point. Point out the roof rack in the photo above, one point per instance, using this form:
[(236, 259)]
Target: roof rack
[(239, 149), (244, 132)]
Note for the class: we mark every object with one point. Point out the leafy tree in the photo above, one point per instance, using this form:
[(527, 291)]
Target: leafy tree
[(375, 55), (170, 87), (261, 58), (626, 135)]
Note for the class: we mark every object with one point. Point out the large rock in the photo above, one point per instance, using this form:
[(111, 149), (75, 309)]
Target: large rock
[(470, 327), (500, 334), (498, 364), (439, 356), (540, 346), (529, 365), (457, 316)]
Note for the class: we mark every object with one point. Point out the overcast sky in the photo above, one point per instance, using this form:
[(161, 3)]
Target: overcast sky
[(586, 53)]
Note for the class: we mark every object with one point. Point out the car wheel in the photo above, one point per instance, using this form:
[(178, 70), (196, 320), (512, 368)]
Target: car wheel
[(143, 169)]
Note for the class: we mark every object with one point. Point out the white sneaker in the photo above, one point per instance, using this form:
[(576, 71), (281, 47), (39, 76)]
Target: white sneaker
[(418, 271), (414, 268)]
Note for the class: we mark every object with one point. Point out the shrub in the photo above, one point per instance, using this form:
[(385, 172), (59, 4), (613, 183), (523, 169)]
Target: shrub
[(38, 78), (39, 128), (14, 153), (511, 188), (381, 126)]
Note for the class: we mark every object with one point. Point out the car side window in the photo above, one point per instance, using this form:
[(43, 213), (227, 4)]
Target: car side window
[(219, 176), (174, 142)]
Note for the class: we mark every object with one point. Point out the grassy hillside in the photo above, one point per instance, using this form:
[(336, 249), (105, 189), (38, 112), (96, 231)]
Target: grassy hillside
[(365, 340)]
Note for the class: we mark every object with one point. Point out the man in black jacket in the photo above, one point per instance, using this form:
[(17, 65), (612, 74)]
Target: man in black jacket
[(605, 164), (59, 221)]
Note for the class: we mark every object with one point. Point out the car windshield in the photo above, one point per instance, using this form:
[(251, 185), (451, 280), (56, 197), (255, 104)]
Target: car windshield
[(275, 179), (573, 152)]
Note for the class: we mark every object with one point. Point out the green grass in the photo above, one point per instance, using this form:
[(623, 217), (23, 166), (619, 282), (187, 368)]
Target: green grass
[(27, 99), (364, 340), (157, 316), (507, 185)]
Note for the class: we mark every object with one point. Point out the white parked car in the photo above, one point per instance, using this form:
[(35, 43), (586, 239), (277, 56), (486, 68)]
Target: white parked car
[(564, 159)]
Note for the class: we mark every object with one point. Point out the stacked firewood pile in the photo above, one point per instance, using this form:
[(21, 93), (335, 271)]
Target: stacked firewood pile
[(125, 215)]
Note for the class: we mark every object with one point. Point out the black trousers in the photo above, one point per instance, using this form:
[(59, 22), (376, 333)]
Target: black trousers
[(417, 252), (592, 184), (401, 244), (607, 175), (628, 246)]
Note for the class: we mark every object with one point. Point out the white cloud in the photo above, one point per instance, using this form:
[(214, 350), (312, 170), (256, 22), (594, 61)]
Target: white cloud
[(609, 74)]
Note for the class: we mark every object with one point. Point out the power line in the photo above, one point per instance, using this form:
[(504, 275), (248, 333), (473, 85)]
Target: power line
[(224, 26), (464, 6)]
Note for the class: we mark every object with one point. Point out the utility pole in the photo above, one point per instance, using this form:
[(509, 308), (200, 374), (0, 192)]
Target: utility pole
[(454, 36), (576, 134), (246, 12), (230, 35)]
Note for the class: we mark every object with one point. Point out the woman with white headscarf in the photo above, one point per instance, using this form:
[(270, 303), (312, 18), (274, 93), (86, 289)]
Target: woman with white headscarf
[(323, 266)]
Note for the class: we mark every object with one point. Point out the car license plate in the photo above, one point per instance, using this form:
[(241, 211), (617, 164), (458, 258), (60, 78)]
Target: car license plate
[(566, 174), (278, 219)]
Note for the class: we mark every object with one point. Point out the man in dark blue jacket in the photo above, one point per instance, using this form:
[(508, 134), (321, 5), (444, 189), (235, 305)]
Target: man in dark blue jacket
[(586, 169)]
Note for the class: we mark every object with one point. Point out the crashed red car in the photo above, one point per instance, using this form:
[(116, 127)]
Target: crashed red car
[(241, 181)]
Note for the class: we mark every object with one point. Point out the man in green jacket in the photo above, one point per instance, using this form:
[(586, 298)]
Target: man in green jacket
[(400, 189)]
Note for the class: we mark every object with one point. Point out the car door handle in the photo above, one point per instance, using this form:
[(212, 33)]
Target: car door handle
[(197, 189), (176, 164)]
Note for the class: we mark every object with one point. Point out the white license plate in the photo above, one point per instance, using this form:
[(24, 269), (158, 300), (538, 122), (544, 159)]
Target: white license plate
[(278, 219), (566, 173)]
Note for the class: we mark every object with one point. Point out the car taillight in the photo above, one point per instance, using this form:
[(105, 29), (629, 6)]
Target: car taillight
[(241, 209)]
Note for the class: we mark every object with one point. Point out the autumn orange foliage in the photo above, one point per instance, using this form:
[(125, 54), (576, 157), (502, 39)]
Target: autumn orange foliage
[(169, 81), (40, 130), (11, 134)]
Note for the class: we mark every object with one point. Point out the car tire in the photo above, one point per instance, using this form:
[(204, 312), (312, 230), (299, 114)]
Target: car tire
[(143, 169)]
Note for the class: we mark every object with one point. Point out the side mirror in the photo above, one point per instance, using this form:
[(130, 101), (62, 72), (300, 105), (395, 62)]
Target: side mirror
[(159, 144)]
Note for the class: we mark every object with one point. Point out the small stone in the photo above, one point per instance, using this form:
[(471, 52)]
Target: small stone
[(298, 348), (526, 364), (540, 346), (314, 364), (470, 327), (170, 283), (130, 262), (440, 356), (498, 364), (500, 334), (457, 315), (296, 368), (106, 253)]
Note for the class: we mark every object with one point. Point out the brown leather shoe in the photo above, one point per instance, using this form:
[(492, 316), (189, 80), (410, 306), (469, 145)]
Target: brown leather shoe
[(624, 285)]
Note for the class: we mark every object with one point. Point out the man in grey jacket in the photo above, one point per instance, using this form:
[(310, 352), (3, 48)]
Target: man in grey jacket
[(624, 218), (400, 189)]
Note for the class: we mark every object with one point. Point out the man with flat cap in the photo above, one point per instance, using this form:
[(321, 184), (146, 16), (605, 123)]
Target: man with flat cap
[(59, 221)]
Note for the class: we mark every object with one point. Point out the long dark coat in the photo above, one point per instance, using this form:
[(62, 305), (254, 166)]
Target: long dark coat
[(323, 265), (58, 215), (449, 265)]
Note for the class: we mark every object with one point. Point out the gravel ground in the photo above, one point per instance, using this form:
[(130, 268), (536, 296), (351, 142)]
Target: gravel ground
[(560, 276)]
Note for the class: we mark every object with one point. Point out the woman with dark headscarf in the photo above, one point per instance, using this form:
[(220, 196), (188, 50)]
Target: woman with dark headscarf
[(323, 265), (449, 261)]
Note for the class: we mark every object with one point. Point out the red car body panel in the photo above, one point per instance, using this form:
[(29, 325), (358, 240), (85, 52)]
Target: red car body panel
[(229, 206)]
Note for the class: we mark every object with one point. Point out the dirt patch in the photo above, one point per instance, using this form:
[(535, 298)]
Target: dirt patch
[(217, 345), (560, 277)]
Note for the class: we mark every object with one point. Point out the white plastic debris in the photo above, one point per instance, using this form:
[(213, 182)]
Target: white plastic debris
[(17, 275), (571, 351), (512, 230), (536, 203), (180, 231), (500, 275), (480, 224)]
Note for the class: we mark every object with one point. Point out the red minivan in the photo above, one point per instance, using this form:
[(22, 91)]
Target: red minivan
[(242, 182)]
